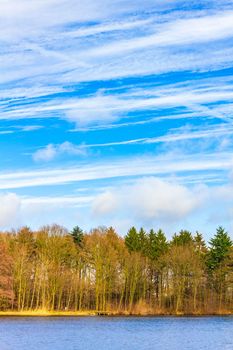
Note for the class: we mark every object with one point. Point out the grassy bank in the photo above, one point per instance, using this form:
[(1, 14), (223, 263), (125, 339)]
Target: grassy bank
[(45, 313)]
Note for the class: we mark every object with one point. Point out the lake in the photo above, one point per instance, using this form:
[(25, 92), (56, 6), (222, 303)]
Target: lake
[(116, 333)]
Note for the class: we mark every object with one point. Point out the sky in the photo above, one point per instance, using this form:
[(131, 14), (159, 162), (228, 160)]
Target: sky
[(117, 112)]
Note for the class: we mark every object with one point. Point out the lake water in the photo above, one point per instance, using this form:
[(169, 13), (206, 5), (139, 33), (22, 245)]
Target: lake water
[(116, 333)]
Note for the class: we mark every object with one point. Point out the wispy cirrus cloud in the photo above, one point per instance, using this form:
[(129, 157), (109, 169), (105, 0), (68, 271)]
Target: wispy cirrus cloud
[(159, 71), (182, 134), (148, 33), (105, 107), (158, 165), (180, 32)]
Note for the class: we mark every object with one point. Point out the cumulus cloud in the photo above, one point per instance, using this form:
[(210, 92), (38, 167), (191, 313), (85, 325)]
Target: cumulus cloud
[(151, 199), (52, 151), (93, 110), (105, 203), (45, 154), (10, 208)]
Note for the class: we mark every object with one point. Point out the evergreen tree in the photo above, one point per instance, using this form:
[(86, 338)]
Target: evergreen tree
[(143, 239), (183, 238), (77, 235), (45, 269), (200, 246), (132, 240), (199, 242), (220, 248), (158, 244)]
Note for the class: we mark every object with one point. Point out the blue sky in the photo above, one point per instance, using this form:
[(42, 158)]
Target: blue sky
[(116, 113)]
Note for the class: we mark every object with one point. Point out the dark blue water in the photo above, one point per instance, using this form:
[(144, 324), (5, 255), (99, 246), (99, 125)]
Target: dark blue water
[(119, 333)]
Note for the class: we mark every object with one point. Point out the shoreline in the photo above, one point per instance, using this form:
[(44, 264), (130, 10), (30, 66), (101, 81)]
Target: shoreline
[(44, 313)]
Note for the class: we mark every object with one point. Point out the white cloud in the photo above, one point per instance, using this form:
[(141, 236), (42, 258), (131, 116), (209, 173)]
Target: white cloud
[(105, 204), (209, 98), (104, 109), (207, 28), (107, 27), (6, 132), (51, 151), (62, 201), (28, 128), (45, 154), (10, 209), (163, 165), (179, 134), (150, 199), (144, 43), (44, 17), (92, 110), (152, 61)]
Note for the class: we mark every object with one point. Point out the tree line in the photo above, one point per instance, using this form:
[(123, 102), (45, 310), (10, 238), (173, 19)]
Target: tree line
[(142, 273)]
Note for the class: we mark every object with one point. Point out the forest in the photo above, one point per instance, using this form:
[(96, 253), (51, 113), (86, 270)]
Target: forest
[(141, 273)]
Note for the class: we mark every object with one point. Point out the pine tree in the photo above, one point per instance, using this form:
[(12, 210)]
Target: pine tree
[(77, 235), (220, 248), (143, 241), (158, 244), (132, 240), (183, 238), (199, 242)]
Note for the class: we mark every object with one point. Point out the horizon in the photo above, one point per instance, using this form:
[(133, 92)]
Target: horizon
[(117, 114)]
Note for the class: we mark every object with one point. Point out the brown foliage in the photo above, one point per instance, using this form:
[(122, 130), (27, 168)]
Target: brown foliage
[(6, 276)]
